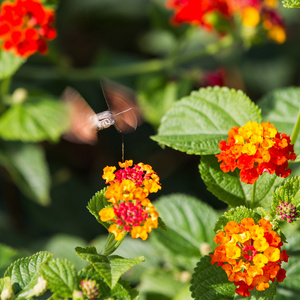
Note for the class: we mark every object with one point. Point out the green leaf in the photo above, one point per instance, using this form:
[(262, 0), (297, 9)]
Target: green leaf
[(9, 63), (229, 188), (24, 272), (289, 288), (89, 253), (120, 265), (267, 294), (157, 94), (211, 282), (36, 119), (7, 256), (289, 192), (61, 277), (97, 203), (123, 291), (291, 3), (160, 282), (197, 123), (236, 214), (188, 228), (279, 104), (27, 166), (133, 248), (110, 268)]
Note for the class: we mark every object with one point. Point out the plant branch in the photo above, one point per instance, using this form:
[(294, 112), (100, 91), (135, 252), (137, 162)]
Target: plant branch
[(130, 69), (111, 245), (296, 130)]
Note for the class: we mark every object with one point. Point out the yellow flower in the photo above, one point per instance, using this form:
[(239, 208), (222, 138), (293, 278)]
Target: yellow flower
[(260, 260), (106, 214), (139, 232), (119, 234), (272, 254), (277, 34), (250, 16), (108, 174)]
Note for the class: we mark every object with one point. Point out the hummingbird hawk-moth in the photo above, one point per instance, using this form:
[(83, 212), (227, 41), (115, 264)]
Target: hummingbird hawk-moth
[(122, 112)]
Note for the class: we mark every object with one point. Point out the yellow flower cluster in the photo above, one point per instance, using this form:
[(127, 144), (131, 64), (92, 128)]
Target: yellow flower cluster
[(130, 211)]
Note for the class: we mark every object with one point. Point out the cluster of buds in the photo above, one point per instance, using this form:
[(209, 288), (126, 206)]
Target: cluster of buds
[(89, 289), (25, 27), (255, 149), (250, 254), (130, 211), (287, 210), (220, 15)]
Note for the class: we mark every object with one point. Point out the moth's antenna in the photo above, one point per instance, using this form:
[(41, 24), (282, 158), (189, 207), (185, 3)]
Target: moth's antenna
[(123, 155), (124, 111)]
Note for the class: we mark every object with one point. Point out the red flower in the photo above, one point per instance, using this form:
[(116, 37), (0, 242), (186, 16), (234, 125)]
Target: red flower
[(255, 149), (194, 11), (25, 27)]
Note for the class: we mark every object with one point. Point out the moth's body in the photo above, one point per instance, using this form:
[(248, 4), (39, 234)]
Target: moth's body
[(123, 113), (104, 120)]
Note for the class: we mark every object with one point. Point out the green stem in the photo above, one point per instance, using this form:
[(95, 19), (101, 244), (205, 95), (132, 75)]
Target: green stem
[(4, 89), (296, 130), (111, 245), (253, 195), (135, 68)]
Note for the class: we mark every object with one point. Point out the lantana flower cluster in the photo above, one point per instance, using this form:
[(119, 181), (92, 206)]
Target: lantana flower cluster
[(131, 211), (220, 15), (250, 254), (25, 27), (254, 149)]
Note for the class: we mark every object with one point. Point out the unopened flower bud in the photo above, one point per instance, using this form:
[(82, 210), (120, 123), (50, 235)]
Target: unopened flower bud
[(7, 294), (205, 248), (89, 288), (40, 288), (286, 210)]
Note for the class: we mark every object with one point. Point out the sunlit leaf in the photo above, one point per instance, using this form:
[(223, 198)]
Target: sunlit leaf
[(111, 268), (24, 272), (236, 214), (197, 123), (277, 105), (61, 277), (229, 188), (188, 226), (211, 282), (291, 3), (97, 203), (9, 63), (36, 119)]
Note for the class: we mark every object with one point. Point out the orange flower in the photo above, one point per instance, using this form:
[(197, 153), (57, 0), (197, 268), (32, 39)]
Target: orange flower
[(130, 211), (250, 254), (255, 149)]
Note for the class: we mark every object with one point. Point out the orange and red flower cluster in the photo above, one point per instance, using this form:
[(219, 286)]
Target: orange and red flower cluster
[(25, 27), (250, 254), (220, 15), (254, 149), (131, 210)]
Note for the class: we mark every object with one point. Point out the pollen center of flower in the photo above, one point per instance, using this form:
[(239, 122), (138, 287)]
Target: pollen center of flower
[(249, 252), (130, 215)]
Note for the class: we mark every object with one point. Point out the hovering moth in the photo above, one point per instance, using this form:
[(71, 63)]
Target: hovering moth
[(122, 112)]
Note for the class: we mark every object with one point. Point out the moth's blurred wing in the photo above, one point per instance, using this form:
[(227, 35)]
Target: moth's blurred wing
[(121, 101), (83, 119)]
